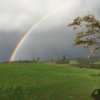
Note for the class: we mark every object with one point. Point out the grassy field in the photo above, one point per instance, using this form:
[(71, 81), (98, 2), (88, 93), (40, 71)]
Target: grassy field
[(47, 82)]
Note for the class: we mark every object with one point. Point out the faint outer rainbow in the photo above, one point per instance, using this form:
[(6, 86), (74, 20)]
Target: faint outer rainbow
[(34, 26)]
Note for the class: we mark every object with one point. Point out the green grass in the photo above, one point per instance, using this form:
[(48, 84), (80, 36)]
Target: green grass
[(47, 82), (74, 62)]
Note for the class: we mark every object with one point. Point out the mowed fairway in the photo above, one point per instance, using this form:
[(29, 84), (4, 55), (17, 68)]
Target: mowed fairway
[(47, 82)]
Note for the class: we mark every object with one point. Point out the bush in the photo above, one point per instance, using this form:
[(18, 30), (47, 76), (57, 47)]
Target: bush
[(62, 61), (86, 60)]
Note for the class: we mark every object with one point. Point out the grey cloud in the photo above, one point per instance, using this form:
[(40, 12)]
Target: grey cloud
[(7, 44), (14, 14), (52, 37)]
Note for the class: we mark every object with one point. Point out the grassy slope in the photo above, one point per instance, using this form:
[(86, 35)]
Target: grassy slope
[(46, 82)]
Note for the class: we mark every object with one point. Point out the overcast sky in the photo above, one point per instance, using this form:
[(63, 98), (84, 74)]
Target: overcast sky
[(52, 38)]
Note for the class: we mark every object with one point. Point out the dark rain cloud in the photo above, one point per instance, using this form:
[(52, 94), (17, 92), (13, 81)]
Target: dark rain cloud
[(52, 38)]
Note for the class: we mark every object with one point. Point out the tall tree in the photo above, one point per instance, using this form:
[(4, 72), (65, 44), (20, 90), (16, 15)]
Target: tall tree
[(89, 37)]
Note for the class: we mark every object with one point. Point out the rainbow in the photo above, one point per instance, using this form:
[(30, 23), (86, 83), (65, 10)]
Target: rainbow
[(34, 26)]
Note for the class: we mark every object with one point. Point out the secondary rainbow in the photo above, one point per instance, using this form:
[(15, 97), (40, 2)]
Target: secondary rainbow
[(34, 26)]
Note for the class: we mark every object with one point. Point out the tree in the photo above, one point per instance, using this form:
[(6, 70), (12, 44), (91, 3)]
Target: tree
[(89, 37)]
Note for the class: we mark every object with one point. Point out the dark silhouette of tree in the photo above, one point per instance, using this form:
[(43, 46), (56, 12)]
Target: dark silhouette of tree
[(64, 57), (89, 37)]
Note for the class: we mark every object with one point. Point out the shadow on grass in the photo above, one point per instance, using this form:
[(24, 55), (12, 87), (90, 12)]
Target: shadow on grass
[(11, 93), (93, 66), (20, 93)]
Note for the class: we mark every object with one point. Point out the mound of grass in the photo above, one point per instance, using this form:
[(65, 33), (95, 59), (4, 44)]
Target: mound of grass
[(21, 81)]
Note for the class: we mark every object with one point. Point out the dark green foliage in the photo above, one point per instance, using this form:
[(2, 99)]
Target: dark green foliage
[(85, 61), (63, 60)]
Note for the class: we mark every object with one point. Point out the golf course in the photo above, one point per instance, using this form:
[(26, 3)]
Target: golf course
[(47, 81)]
